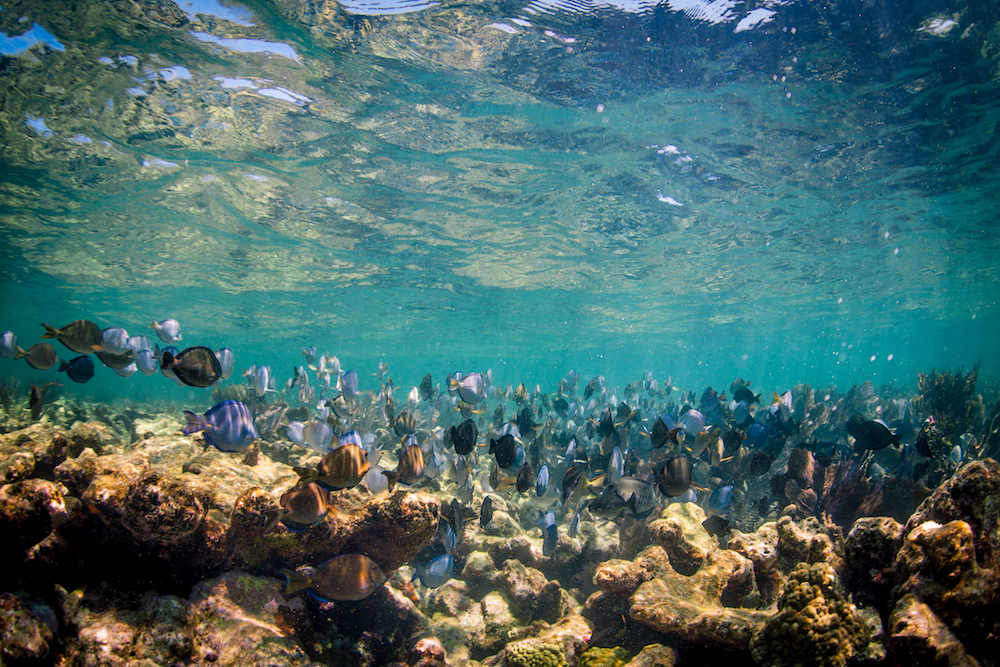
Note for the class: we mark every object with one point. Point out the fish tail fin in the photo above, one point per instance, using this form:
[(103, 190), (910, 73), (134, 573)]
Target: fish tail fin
[(153, 326), (195, 423), (306, 475), (295, 582), (50, 331), (392, 476), (21, 354), (63, 365), (273, 516), (167, 361)]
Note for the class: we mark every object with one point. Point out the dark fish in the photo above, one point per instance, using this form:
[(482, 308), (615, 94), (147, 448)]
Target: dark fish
[(486, 512), (343, 468), (41, 356), (624, 415), (717, 526), (227, 425), (526, 422), (561, 406), (525, 478), (674, 476), (606, 424), (116, 361), (347, 577), (609, 505), (732, 440), (661, 435), (195, 366), (572, 478), (81, 336), (405, 424), (411, 464), (36, 399), (590, 389), (709, 401), (498, 415), (504, 449), (743, 393), (873, 434), (644, 502), (463, 437), (520, 394), (301, 507), (79, 370), (426, 389)]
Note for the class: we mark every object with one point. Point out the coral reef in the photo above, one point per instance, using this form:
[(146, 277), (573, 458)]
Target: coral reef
[(951, 399), (815, 624), (947, 572)]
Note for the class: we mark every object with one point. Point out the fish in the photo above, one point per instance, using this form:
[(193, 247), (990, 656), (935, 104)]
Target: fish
[(261, 379), (426, 389), (662, 434), (226, 361), (716, 525), (449, 540), (126, 371), (169, 330), (571, 479), (342, 468), (872, 434), (638, 496), (743, 393), (411, 464), (195, 366), (504, 449), (8, 345), (40, 356), (114, 340), (720, 499), (673, 477), (616, 467), (526, 422), (116, 361), (404, 425), (36, 398), (470, 388), (317, 435), (79, 369), (375, 479), (342, 407), (486, 512), (310, 354), (525, 478), (227, 425), (463, 471), (301, 507), (741, 414), (80, 336), (145, 361), (349, 384), (693, 422), (542, 481), (497, 481), (709, 400), (347, 577), (437, 572), (550, 532), (574, 523), (608, 504)]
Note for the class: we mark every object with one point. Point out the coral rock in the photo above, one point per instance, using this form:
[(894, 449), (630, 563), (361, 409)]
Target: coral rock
[(686, 547), (23, 636), (920, 638), (654, 655), (815, 624), (869, 552)]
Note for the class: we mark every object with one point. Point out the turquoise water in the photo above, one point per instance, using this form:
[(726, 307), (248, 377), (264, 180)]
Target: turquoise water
[(531, 188)]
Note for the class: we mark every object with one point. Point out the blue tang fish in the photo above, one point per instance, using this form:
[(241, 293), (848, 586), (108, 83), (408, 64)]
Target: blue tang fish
[(79, 370), (436, 572), (227, 425)]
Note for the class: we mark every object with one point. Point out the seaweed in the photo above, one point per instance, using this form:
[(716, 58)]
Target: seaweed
[(951, 399)]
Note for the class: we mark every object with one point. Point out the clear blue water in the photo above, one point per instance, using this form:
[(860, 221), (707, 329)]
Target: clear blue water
[(790, 193)]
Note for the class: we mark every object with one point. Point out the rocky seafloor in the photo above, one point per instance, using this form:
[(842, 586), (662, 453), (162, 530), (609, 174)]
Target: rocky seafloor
[(142, 546)]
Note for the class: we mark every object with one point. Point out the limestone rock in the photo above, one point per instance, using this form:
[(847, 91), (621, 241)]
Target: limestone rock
[(869, 553), (654, 655), (686, 546)]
